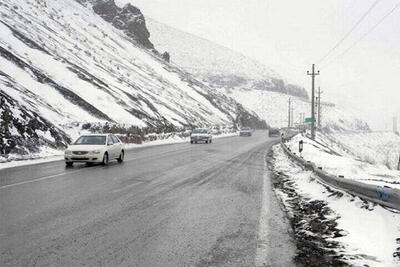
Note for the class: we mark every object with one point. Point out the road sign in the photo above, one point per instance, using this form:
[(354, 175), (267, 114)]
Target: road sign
[(308, 120)]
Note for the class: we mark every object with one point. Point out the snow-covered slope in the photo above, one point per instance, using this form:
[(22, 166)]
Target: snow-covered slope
[(65, 65), (382, 148), (217, 65), (357, 159), (247, 81), (273, 108)]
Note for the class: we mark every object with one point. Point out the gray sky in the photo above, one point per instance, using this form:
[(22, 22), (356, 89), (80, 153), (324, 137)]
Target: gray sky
[(288, 36)]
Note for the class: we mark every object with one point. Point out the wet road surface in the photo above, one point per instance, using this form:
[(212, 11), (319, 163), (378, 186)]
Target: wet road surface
[(170, 205)]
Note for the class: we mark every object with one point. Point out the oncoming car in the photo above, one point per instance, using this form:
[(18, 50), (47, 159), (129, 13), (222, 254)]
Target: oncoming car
[(95, 148), (245, 131), (201, 135)]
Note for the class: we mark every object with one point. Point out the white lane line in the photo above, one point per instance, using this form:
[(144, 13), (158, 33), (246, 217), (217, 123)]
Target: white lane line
[(262, 247), (38, 179)]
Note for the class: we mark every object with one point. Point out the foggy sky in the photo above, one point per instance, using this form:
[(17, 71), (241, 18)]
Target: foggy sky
[(288, 36)]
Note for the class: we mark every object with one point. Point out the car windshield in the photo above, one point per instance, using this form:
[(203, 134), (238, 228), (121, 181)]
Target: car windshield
[(200, 131), (91, 140)]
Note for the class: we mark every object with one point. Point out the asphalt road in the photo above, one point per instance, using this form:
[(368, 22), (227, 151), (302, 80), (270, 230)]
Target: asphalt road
[(171, 205)]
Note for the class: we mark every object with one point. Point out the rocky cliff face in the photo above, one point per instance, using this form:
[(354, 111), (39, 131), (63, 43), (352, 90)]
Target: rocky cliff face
[(129, 19), (23, 130)]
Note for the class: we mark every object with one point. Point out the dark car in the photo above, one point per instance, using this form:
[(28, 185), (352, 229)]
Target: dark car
[(273, 132)]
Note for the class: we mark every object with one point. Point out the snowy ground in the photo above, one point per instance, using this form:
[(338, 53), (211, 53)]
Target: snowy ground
[(342, 229), (373, 147), (347, 158), (47, 154)]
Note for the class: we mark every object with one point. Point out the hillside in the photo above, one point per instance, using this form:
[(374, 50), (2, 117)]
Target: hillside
[(65, 68), (217, 65), (247, 81), (273, 108)]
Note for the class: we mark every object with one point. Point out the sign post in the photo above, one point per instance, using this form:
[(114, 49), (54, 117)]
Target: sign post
[(300, 146)]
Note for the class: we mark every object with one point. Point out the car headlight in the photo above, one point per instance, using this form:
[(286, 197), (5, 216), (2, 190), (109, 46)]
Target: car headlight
[(95, 152), (68, 152)]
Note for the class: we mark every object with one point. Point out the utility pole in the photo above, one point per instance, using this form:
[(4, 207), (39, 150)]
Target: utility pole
[(313, 74), (319, 107), (289, 114), (292, 116)]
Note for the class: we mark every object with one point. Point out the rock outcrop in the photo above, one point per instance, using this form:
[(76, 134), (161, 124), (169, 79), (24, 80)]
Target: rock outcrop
[(128, 18)]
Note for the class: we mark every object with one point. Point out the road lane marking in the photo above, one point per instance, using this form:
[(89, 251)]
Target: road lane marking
[(38, 179)]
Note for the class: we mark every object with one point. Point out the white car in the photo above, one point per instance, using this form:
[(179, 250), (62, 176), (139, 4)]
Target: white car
[(245, 131), (201, 135), (95, 148)]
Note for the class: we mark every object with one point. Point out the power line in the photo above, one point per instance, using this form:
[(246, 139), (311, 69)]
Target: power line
[(364, 35), (349, 32)]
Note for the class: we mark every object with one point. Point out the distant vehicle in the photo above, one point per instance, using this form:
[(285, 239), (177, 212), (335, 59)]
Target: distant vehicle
[(95, 148), (201, 135), (245, 131), (273, 132)]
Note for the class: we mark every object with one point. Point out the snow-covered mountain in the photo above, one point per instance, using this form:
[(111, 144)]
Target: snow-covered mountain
[(217, 65), (247, 81), (74, 63)]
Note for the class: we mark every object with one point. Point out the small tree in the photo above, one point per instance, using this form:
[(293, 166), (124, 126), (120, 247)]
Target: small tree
[(166, 56)]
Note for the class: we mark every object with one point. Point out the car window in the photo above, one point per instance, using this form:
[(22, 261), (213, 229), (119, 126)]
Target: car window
[(200, 131), (115, 139), (91, 140), (110, 140)]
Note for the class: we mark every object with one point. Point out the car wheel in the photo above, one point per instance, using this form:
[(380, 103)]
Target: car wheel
[(195, 142), (191, 142), (121, 157), (206, 141), (69, 164), (105, 159), (210, 141)]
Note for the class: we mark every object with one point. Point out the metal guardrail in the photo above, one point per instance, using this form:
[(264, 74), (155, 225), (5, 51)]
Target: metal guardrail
[(382, 195)]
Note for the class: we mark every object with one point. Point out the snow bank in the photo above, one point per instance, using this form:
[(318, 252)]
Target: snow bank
[(370, 233), (337, 160)]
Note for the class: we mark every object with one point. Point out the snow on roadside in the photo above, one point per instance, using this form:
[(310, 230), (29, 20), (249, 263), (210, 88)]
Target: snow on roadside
[(337, 160), (47, 154), (373, 147), (369, 234)]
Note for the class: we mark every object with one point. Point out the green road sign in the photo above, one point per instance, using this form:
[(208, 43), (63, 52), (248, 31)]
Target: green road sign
[(308, 120)]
